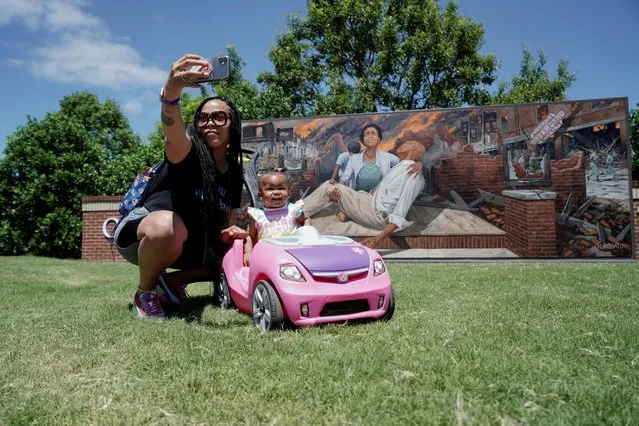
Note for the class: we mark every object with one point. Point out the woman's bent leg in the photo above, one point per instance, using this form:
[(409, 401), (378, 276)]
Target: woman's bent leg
[(161, 235)]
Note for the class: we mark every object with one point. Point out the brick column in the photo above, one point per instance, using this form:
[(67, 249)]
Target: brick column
[(635, 209), (95, 210), (530, 223)]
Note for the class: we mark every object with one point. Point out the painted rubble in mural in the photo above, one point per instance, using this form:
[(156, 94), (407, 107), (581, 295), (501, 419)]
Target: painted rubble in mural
[(576, 150)]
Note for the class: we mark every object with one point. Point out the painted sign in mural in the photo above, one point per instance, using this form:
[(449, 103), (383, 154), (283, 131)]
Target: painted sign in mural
[(544, 180)]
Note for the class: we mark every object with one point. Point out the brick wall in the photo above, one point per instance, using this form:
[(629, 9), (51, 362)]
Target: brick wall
[(569, 176), (307, 180), (468, 171), (440, 241), (95, 210), (530, 224), (635, 208)]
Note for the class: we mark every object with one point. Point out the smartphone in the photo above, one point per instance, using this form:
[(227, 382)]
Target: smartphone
[(220, 69)]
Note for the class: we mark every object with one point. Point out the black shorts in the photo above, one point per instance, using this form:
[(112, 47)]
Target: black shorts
[(126, 241)]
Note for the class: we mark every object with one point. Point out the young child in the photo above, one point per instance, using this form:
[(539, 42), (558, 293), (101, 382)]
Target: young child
[(278, 217)]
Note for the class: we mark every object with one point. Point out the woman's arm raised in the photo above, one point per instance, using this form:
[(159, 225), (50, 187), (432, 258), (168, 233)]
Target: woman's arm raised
[(183, 72)]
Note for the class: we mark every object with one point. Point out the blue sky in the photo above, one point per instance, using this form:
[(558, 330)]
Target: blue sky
[(123, 49)]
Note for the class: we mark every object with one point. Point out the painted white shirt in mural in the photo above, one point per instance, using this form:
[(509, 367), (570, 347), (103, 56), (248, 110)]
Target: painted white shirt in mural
[(384, 160)]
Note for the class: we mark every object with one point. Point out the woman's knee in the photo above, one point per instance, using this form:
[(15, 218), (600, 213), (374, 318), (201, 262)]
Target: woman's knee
[(163, 225)]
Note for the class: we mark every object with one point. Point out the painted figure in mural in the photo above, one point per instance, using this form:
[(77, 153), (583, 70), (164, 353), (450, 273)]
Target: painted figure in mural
[(278, 217), (386, 207), (610, 166), (545, 165), (534, 163), (523, 159), (342, 162), (180, 223), (366, 169), (594, 171)]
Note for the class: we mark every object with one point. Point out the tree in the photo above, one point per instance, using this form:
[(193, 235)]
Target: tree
[(49, 165), (533, 84), (86, 148), (105, 122), (371, 55), (251, 101)]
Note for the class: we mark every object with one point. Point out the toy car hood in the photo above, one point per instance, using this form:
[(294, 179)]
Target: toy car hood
[(313, 250)]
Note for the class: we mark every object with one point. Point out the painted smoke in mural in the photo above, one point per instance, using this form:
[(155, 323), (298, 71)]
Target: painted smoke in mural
[(575, 150)]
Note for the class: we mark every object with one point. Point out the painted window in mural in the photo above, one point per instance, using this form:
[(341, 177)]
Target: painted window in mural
[(538, 180)]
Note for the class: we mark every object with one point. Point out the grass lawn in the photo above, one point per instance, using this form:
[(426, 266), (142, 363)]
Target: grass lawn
[(489, 343)]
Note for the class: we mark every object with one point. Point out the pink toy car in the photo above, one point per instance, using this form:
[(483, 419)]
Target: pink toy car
[(307, 279)]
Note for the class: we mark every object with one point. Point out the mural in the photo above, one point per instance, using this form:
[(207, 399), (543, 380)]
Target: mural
[(544, 180)]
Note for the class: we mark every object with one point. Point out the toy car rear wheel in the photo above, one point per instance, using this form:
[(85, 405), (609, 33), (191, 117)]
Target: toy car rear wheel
[(221, 294), (267, 308), (391, 308)]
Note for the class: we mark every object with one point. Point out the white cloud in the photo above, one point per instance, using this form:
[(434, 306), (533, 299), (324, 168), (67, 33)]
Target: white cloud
[(28, 11), (96, 62), (134, 106), (14, 63), (53, 15), (83, 51), (146, 100), (62, 16)]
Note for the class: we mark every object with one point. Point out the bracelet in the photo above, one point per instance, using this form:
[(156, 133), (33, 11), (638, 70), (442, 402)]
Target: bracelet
[(165, 101)]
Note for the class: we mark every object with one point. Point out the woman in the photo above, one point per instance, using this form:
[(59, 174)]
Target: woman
[(366, 169), (186, 206)]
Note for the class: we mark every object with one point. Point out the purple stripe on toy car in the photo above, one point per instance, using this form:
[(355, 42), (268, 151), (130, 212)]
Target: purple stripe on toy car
[(331, 259)]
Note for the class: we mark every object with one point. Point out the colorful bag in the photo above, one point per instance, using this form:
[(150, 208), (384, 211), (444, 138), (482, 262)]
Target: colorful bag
[(134, 195)]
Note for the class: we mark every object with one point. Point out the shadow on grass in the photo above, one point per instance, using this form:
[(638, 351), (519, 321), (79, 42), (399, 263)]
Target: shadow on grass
[(191, 310)]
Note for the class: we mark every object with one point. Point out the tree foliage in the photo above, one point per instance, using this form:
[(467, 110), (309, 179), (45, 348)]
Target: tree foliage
[(85, 148), (532, 83), (252, 101), (371, 55)]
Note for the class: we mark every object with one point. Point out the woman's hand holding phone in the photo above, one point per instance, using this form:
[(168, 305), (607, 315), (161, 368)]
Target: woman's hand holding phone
[(183, 74)]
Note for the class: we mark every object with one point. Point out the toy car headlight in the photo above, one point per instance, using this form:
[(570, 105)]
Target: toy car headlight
[(291, 273), (378, 267)]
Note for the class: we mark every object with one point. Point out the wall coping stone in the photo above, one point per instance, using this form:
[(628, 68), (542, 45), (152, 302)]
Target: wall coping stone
[(530, 194)]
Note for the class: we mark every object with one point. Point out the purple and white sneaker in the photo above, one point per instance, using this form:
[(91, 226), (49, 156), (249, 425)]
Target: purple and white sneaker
[(148, 304)]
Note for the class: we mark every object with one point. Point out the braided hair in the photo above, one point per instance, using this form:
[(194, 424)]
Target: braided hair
[(211, 216)]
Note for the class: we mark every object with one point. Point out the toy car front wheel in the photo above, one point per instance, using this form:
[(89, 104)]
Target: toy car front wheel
[(267, 308), (391, 308)]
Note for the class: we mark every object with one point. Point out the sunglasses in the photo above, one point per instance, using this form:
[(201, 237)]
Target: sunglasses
[(219, 118)]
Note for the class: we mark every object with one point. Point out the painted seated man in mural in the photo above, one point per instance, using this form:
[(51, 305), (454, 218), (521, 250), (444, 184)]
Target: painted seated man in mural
[(385, 207)]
